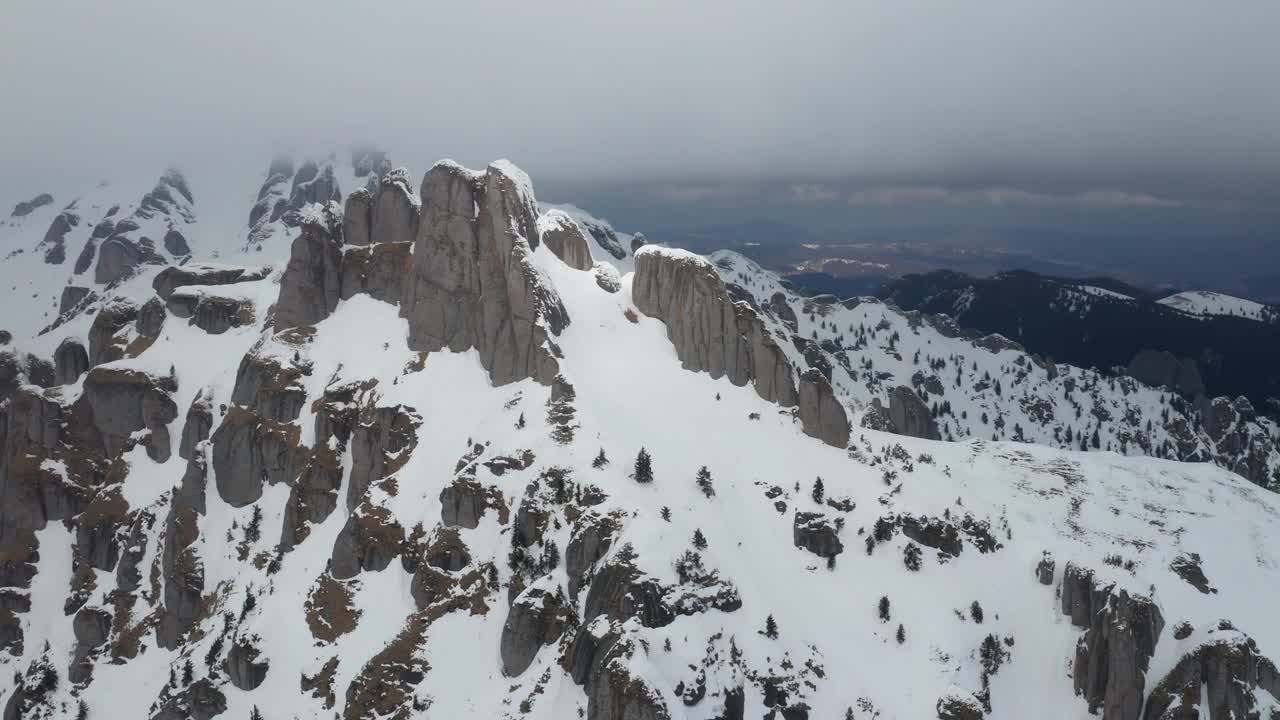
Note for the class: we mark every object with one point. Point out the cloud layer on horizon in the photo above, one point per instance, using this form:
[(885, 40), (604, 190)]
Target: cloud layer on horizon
[(1131, 103)]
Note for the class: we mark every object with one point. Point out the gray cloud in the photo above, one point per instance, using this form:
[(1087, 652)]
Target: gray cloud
[(961, 99)]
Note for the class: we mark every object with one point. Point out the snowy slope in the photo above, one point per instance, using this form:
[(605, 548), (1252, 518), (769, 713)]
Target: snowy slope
[(526, 453), (1208, 303), (990, 388)]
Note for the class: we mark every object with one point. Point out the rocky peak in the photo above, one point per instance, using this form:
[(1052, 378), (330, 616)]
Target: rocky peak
[(710, 332), (473, 281)]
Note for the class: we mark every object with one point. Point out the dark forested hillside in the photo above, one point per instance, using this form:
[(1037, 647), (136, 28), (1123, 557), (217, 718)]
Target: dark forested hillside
[(1104, 323)]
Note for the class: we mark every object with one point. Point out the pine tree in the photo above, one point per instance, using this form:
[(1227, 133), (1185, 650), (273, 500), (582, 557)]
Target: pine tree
[(911, 556), (520, 422), (188, 670), (975, 612), (884, 608), (902, 634), (644, 467), (600, 460), (704, 482), (699, 540), (666, 513), (817, 491), (770, 628), (255, 714)]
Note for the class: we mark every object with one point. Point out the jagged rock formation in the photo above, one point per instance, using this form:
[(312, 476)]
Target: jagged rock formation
[(564, 237), (813, 532), (55, 239), (821, 414), (211, 312), (310, 286), (175, 276), (474, 284), (1227, 669), (910, 416), (710, 332), (394, 211), (1113, 656), (162, 211), (26, 207), (286, 195), (357, 218), (70, 361), (291, 547)]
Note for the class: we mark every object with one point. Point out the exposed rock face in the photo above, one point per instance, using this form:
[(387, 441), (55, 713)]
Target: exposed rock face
[(70, 360), (1162, 369), (91, 627), (310, 286), (312, 185), (202, 701), (378, 271), (54, 243), (26, 207), (196, 428), (462, 504), (71, 297), (710, 332), (111, 319), (271, 204), (566, 238), (821, 415), (599, 661), (258, 441), (380, 445), (473, 282), (813, 532), (910, 416), (367, 543), (176, 244), (1227, 669), (118, 258), (538, 617), (357, 218), (1187, 566), (176, 276), (243, 666), (213, 313), (1113, 656), (395, 210), (122, 402), (591, 539)]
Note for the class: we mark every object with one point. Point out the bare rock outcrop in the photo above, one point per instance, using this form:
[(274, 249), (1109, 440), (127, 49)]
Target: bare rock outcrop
[(710, 332), (378, 270), (70, 361), (910, 416), (474, 284), (245, 666), (212, 312), (311, 284), (357, 218), (1113, 656), (1226, 668), (813, 532), (118, 403), (566, 238), (176, 276), (538, 617), (821, 414), (395, 209), (54, 243), (26, 207)]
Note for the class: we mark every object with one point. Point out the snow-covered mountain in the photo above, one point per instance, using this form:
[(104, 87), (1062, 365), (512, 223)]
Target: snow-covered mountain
[(440, 451), (1206, 303)]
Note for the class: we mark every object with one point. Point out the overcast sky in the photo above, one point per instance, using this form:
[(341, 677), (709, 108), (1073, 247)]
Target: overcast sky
[(1149, 103)]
